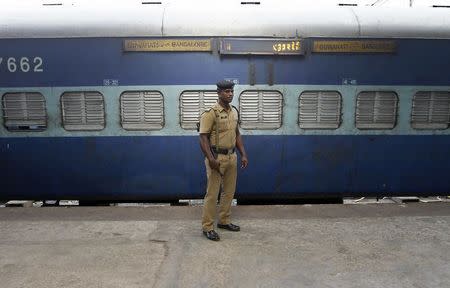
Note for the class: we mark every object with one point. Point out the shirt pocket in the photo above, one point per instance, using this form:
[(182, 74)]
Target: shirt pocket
[(223, 125)]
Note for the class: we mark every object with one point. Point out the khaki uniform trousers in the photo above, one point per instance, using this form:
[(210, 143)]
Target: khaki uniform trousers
[(228, 168)]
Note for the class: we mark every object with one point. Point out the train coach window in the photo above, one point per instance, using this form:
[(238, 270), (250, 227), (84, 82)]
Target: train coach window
[(320, 110), (24, 112), (430, 110), (83, 111), (260, 109), (193, 104), (376, 110), (142, 110)]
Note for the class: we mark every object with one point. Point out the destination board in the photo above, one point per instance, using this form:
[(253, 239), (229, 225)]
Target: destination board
[(262, 46), (171, 45), (354, 46)]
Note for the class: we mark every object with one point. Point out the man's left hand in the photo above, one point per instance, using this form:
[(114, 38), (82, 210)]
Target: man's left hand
[(244, 162)]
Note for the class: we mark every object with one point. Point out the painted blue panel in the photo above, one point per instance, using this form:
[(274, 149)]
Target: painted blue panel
[(89, 61), (155, 168)]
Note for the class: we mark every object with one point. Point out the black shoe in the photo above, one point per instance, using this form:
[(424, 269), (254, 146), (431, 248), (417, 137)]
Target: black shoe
[(231, 227), (211, 235)]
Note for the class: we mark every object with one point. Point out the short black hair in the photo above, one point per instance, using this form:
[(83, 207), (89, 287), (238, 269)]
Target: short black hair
[(224, 84)]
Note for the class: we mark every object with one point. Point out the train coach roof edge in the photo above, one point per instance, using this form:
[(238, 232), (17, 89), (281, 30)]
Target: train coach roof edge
[(182, 21)]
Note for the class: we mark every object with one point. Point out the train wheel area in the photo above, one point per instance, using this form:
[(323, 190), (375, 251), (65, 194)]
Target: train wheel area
[(197, 202)]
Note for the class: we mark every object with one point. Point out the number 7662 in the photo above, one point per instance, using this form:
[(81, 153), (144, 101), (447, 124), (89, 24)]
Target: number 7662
[(22, 64)]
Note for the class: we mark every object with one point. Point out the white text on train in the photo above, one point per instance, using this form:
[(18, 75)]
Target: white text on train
[(22, 64)]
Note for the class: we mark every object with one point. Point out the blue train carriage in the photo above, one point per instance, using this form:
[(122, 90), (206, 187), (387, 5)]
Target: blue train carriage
[(100, 102)]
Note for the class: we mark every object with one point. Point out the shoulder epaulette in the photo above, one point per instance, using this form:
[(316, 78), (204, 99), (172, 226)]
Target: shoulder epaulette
[(207, 110)]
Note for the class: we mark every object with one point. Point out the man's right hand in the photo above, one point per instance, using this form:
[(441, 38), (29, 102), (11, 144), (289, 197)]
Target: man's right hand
[(214, 164)]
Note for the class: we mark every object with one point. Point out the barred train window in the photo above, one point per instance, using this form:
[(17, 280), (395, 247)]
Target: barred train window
[(376, 110), (319, 110), (83, 111), (24, 111), (142, 110), (193, 104), (430, 110), (260, 109)]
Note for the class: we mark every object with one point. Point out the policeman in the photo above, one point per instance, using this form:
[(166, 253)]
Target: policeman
[(219, 138)]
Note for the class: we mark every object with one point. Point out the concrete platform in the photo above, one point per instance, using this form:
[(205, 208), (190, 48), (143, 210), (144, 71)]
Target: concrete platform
[(381, 245)]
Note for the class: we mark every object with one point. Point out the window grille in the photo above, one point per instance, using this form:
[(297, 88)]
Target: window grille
[(83, 111), (193, 104), (142, 110), (320, 110), (430, 110), (260, 109), (24, 111), (376, 110)]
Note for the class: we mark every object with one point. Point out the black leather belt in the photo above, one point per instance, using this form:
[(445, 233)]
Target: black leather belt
[(223, 151)]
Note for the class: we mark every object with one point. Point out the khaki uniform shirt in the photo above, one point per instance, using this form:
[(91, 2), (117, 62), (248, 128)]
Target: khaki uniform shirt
[(226, 121)]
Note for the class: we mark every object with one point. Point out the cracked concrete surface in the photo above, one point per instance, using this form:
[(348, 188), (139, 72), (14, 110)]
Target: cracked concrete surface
[(78, 254), (296, 246)]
